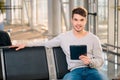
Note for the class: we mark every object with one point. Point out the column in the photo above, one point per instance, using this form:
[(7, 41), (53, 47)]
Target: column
[(54, 17), (71, 6), (8, 12), (33, 14), (118, 43), (87, 6), (111, 37)]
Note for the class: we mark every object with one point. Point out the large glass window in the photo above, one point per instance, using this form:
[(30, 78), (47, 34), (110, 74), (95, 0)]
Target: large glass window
[(102, 20), (26, 16)]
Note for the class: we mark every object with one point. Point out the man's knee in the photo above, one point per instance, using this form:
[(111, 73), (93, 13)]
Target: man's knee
[(71, 76)]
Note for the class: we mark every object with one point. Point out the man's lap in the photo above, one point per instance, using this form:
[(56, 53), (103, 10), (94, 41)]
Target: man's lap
[(85, 73)]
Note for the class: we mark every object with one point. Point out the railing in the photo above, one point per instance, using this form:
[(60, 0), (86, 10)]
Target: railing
[(112, 56)]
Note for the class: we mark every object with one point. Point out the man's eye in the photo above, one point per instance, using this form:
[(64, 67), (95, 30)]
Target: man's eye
[(82, 19), (75, 19)]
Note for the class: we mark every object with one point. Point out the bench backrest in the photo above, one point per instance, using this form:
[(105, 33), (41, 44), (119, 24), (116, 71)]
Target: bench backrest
[(31, 63), (60, 62), (26, 64)]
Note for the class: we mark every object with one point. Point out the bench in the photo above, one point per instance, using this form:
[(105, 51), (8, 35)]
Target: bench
[(26, 64), (60, 62), (31, 63)]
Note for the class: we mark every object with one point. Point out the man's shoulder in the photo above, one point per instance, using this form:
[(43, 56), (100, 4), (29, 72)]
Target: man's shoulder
[(93, 36), (65, 34)]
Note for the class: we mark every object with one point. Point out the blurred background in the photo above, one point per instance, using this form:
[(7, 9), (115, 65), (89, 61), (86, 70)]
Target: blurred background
[(27, 20)]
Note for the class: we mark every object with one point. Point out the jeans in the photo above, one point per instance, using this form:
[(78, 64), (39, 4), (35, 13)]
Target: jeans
[(85, 73)]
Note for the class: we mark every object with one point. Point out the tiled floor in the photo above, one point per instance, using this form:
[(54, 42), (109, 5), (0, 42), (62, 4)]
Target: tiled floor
[(25, 32)]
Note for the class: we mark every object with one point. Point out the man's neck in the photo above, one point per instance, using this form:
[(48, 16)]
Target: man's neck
[(80, 34)]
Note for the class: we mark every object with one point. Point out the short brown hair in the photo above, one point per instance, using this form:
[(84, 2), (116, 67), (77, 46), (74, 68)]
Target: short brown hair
[(80, 10)]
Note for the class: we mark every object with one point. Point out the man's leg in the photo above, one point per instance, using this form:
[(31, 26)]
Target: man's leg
[(73, 75), (94, 74)]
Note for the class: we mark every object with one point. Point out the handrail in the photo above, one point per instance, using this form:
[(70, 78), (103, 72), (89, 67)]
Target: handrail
[(112, 59), (113, 62), (106, 44)]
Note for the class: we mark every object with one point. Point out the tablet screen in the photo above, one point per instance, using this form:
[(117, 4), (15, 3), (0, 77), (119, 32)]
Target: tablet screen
[(77, 50)]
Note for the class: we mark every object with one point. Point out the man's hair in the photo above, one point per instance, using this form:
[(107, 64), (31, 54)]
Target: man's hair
[(80, 10)]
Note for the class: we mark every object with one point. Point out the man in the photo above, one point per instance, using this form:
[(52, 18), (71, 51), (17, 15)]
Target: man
[(86, 67)]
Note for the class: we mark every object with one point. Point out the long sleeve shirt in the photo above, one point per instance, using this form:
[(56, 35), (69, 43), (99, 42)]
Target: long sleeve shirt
[(64, 40)]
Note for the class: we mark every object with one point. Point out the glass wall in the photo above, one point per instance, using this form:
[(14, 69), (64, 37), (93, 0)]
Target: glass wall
[(34, 13), (103, 20), (27, 12)]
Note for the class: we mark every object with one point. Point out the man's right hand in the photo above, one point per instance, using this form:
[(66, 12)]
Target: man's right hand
[(18, 47)]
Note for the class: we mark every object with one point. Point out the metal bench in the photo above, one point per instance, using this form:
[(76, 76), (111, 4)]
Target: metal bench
[(26, 64), (60, 62)]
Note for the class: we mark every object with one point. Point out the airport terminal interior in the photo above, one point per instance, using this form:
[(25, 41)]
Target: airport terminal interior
[(31, 20)]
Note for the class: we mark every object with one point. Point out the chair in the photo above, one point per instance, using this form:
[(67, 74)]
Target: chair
[(4, 41), (60, 62), (26, 64)]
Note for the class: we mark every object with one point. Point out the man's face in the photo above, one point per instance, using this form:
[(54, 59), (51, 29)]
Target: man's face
[(78, 22)]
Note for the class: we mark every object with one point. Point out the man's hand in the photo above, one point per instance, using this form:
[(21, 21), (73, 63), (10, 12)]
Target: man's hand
[(18, 47), (86, 60)]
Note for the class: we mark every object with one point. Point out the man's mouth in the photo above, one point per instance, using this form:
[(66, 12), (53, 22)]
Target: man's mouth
[(78, 27)]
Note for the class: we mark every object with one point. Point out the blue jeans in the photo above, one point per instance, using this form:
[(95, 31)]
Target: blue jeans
[(85, 73)]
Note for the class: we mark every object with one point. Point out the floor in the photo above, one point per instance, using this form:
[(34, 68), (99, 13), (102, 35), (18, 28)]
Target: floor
[(24, 33)]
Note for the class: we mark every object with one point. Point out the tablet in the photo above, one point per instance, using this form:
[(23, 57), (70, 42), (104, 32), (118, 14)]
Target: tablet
[(77, 50)]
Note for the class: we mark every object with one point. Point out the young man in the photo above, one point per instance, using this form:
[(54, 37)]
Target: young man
[(86, 67)]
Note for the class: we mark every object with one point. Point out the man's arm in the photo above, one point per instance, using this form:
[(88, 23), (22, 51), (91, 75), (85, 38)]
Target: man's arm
[(51, 43), (97, 59)]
